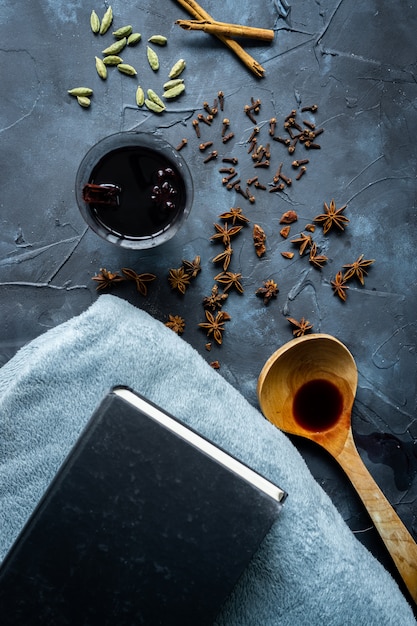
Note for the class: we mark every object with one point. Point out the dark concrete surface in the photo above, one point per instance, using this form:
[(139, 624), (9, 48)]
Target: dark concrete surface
[(357, 62)]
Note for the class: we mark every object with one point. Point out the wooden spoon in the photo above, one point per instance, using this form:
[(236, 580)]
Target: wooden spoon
[(307, 388)]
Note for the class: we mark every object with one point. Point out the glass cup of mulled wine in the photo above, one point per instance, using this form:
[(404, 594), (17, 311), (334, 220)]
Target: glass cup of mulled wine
[(134, 190)]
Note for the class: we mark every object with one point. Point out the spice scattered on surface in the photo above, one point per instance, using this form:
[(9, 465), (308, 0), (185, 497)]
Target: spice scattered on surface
[(224, 233), (268, 291), (179, 279), (106, 21), (332, 217), (339, 286), (225, 257), (318, 260), (182, 144), (357, 269), (106, 279), (259, 239), (193, 267), (235, 214), (176, 323), (215, 300), (303, 241), (301, 327), (139, 279), (215, 325), (288, 217), (230, 280)]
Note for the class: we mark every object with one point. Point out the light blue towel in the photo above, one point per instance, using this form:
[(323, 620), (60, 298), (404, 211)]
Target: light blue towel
[(309, 570)]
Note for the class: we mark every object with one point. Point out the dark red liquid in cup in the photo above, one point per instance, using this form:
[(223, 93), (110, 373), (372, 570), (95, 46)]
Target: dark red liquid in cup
[(151, 192), (317, 405)]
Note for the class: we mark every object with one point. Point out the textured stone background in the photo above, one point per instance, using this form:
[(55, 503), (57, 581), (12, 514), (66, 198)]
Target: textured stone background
[(357, 62)]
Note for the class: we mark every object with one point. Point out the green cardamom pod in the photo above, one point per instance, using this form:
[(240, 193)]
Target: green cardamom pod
[(174, 92), (80, 91), (160, 40), (173, 83), (152, 58), (133, 39), (101, 68), (116, 47), (152, 106), (83, 101), (124, 31), (140, 96), (112, 59), (94, 22), (106, 21), (126, 69), (152, 95), (177, 68)]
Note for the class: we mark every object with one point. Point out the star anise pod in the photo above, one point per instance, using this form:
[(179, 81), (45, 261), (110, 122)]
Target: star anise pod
[(357, 268), (215, 300), (301, 327), (139, 279), (236, 215), (268, 291), (225, 233), (332, 217), (229, 280), (176, 323), (179, 279), (225, 256), (339, 286), (318, 260), (106, 279), (192, 267), (215, 325), (304, 242)]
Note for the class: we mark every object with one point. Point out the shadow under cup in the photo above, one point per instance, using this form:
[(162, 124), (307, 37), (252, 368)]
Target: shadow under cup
[(134, 190)]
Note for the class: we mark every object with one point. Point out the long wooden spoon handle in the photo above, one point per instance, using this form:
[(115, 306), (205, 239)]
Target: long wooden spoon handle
[(394, 534)]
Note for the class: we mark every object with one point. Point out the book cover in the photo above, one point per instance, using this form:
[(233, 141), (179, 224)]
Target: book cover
[(146, 522)]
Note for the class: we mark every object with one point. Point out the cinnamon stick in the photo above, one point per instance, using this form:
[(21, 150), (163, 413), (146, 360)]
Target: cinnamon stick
[(224, 28), (196, 11)]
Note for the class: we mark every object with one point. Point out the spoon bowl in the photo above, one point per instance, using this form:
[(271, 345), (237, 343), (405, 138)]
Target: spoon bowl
[(307, 388), (322, 366)]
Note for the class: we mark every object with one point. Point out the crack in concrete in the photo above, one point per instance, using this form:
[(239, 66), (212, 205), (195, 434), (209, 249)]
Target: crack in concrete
[(43, 285), (381, 156), (377, 182), (68, 256), (329, 21), (32, 254), (37, 97)]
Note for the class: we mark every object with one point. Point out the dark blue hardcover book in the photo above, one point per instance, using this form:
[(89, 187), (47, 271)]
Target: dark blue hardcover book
[(146, 522)]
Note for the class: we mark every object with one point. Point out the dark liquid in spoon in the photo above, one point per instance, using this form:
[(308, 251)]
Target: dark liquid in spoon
[(152, 192), (317, 405)]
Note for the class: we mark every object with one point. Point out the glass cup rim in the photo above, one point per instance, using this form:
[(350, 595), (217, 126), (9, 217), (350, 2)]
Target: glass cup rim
[(126, 139)]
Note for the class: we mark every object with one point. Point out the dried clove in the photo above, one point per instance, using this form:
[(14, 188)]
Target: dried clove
[(196, 128), (213, 155), (204, 146), (301, 173), (228, 137), (313, 108), (182, 144)]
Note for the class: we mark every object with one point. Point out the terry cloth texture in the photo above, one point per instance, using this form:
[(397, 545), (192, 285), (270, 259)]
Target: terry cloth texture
[(310, 569)]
